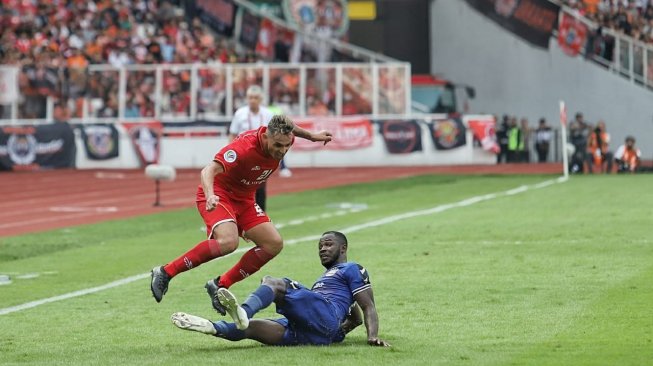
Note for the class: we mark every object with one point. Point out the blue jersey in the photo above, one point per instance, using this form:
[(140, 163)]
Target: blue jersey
[(340, 283)]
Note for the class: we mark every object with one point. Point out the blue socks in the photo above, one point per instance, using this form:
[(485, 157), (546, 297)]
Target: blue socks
[(259, 299), (228, 331)]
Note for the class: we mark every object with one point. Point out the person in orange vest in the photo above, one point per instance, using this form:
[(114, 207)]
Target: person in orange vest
[(597, 150), (627, 156)]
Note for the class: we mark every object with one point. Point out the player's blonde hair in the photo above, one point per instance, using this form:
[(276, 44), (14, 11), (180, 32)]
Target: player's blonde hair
[(280, 124)]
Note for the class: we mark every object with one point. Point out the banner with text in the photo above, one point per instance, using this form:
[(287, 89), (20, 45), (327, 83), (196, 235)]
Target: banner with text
[(249, 30), (101, 141), (401, 136), (348, 134), (146, 137), (448, 134), (33, 147), (484, 130), (531, 20)]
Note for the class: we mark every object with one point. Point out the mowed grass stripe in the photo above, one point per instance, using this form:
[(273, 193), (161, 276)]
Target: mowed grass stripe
[(93, 255), (350, 229)]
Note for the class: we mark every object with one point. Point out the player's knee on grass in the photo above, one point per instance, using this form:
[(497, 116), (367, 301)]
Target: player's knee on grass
[(278, 285)]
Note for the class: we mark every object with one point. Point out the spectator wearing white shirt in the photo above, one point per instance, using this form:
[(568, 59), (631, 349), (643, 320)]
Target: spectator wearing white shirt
[(251, 116)]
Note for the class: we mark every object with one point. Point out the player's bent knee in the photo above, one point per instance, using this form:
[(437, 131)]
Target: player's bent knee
[(228, 244), (272, 247)]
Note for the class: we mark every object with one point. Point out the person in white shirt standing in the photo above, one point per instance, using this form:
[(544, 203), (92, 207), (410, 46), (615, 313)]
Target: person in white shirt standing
[(251, 117)]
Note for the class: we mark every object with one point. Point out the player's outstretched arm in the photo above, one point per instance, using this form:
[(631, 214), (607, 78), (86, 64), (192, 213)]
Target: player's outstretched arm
[(353, 319), (324, 136), (207, 177), (366, 301)]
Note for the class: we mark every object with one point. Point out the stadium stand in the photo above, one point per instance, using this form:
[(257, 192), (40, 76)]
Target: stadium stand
[(631, 17), (53, 51)]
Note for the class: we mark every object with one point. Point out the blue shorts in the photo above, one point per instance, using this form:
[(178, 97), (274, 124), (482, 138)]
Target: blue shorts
[(309, 317)]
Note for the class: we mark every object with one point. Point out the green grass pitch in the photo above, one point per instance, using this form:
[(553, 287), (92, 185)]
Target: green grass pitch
[(557, 275)]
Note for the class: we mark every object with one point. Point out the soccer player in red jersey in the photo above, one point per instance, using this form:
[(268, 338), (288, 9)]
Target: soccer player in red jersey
[(225, 200)]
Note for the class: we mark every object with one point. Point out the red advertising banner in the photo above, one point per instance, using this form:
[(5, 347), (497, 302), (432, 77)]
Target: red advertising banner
[(572, 35), (484, 130), (146, 137), (348, 134)]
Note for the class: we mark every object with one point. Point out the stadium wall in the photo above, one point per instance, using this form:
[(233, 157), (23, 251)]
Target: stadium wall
[(192, 148), (513, 77)]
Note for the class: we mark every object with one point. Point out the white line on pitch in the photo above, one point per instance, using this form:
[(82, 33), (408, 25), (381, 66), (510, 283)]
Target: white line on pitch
[(350, 229)]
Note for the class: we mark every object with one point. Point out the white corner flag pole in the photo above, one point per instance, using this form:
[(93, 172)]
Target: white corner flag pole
[(563, 136)]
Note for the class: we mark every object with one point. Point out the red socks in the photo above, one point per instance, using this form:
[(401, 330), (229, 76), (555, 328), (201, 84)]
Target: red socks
[(250, 262), (201, 253)]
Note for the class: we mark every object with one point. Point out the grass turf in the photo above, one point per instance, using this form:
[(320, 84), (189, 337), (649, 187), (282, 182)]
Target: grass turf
[(556, 275)]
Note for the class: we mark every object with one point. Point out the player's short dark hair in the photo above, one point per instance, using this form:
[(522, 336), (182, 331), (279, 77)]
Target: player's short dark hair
[(340, 237), (280, 124)]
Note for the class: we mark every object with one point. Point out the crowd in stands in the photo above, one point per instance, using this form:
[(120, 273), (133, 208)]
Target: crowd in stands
[(54, 43), (630, 17), (43, 37)]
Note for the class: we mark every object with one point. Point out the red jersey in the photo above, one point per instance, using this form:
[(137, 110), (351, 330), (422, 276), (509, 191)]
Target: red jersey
[(246, 167)]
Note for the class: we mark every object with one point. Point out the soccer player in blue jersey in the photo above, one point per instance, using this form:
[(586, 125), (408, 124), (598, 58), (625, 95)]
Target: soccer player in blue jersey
[(319, 316)]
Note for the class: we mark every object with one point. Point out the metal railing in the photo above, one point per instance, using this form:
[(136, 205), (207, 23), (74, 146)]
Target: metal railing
[(182, 92), (630, 58)]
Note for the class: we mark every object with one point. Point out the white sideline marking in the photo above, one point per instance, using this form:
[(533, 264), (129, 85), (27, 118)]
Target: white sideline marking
[(350, 229), (348, 208)]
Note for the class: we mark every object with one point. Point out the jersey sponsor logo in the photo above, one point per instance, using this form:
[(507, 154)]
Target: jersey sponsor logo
[(230, 156), (266, 173), (250, 182)]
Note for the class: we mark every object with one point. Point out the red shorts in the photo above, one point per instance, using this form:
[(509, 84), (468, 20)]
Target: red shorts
[(246, 214)]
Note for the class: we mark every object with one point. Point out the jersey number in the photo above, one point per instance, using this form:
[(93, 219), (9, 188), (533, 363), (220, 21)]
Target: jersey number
[(266, 173)]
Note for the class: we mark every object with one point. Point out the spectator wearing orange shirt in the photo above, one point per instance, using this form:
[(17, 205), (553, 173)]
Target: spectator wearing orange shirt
[(77, 60), (597, 149), (591, 6), (627, 156)]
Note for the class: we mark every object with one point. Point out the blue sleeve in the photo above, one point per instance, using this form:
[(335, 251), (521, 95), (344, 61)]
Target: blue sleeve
[(357, 278)]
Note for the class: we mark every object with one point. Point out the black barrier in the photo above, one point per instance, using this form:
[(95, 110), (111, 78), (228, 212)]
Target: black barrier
[(401, 136), (101, 141), (35, 147), (448, 133)]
